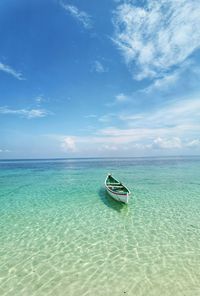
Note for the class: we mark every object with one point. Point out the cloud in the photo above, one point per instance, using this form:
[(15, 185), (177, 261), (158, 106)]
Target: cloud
[(131, 117), (108, 148), (127, 142), (120, 98), (166, 128), (183, 75), (157, 37), (173, 143), (179, 115), (194, 143), (106, 118), (39, 100), (4, 150), (128, 135), (69, 144), (162, 83), (171, 129), (91, 116), (26, 113), (7, 69), (81, 16), (99, 67)]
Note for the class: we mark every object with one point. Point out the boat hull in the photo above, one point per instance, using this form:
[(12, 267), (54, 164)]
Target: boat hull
[(119, 197)]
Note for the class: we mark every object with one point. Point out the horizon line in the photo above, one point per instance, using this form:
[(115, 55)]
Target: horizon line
[(98, 157)]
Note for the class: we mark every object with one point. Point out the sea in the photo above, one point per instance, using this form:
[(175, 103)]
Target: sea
[(61, 234)]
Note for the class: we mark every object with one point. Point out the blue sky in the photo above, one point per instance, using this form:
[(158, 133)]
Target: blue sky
[(99, 78)]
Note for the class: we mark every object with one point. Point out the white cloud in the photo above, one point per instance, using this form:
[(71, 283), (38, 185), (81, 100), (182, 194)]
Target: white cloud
[(128, 135), (179, 115), (7, 69), (186, 73), (165, 128), (99, 67), (194, 143), (107, 117), (172, 143), (130, 117), (108, 148), (69, 144), (81, 16), (27, 113), (39, 100), (91, 116), (4, 150), (172, 129), (162, 83), (158, 36), (120, 98)]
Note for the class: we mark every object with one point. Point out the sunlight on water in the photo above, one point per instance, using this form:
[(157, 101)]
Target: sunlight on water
[(61, 234)]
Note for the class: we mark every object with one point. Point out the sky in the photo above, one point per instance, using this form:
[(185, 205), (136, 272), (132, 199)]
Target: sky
[(99, 78)]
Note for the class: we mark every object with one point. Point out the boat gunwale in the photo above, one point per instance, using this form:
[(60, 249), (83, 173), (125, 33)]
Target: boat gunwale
[(114, 192)]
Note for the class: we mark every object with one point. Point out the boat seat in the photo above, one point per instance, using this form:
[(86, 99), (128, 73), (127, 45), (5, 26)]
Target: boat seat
[(113, 184), (116, 186)]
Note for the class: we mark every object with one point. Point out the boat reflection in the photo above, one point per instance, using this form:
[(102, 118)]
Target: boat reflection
[(110, 202)]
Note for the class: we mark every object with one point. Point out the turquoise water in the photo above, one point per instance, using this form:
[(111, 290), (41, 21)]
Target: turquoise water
[(60, 234)]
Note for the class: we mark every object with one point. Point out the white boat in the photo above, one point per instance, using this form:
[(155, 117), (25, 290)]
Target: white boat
[(116, 189)]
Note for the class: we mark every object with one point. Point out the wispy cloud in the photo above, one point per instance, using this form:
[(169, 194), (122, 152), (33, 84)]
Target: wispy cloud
[(163, 83), (174, 127), (157, 37), (194, 143), (68, 144), (178, 77), (4, 150), (107, 117), (172, 143), (7, 69), (177, 116), (91, 116), (127, 142), (99, 67), (26, 113), (119, 99), (39, 100), (81, 16)]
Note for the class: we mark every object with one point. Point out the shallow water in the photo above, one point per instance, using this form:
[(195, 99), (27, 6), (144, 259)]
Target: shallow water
[(61, 234)]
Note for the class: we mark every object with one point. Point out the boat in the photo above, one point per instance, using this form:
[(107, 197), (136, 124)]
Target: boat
[(116, 189)]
